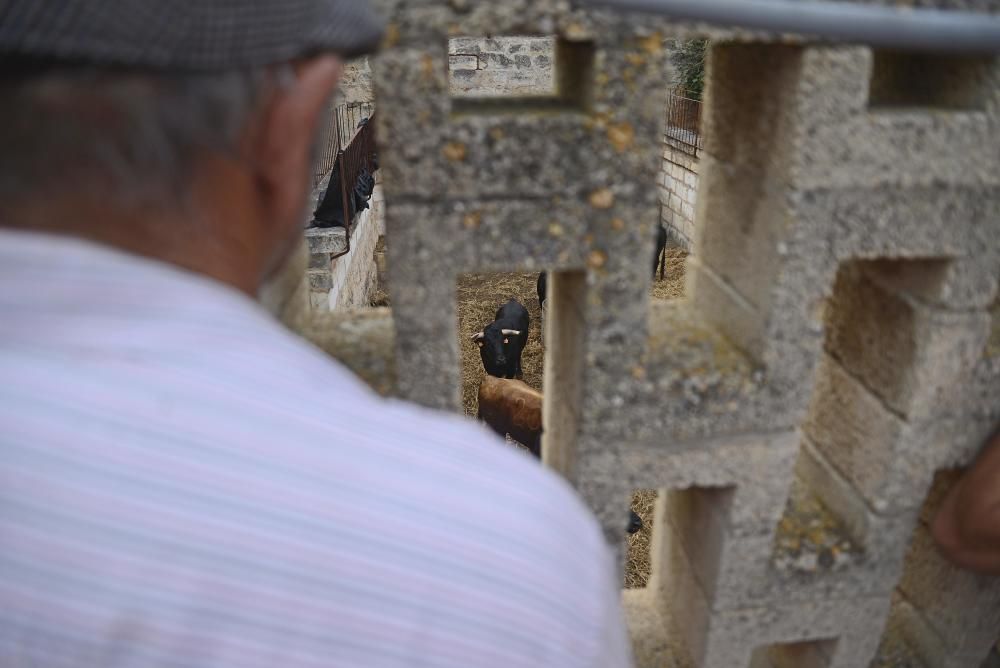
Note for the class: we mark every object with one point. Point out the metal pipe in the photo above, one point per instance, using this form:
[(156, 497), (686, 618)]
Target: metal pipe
[(885, 27)]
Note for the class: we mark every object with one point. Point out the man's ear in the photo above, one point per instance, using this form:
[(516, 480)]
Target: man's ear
[(284, 140)]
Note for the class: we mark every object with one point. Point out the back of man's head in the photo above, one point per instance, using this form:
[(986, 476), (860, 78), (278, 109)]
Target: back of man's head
[(132, 112), (128, 133)]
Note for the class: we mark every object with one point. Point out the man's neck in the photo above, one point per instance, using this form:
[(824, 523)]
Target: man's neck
[(192, 242)]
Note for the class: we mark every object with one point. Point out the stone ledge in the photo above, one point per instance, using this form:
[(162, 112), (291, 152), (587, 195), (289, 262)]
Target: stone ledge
[(332, 241)]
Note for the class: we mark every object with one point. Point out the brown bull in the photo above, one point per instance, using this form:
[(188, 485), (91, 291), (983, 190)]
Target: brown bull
[(512, 407)]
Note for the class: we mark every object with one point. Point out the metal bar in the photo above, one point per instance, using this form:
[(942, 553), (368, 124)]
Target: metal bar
[(345, 204), (683, 122), (885, 27), (354, 156)]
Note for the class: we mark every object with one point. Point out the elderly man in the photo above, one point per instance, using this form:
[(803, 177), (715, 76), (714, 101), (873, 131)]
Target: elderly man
[(167, 495)]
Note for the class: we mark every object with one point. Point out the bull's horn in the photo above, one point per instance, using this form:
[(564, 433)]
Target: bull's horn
[(478, 336), (511, 332)]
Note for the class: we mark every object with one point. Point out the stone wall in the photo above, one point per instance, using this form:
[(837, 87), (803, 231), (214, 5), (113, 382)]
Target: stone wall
[(833, 365), (350, 280), (678, 192), (502, 66), (356, 83)]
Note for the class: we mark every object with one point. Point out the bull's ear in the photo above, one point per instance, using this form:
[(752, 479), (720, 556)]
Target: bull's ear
[(511, 332), (478, 336)]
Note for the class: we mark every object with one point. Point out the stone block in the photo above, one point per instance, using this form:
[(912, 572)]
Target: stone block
[(907, 354), (702, 384), (463, 62), (739, 571), (740, 320), (319, 301), (326, 241), (465, 193), (855, 625), (728, 638), (703, 397), (886, 460), (654, 644), (320, 261), (320, 281), (902, 147)]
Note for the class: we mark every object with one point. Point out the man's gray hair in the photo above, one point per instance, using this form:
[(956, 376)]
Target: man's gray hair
[(131, 135)]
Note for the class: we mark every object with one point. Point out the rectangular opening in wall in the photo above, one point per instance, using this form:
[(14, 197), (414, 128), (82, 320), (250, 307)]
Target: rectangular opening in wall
[(503, 358), (810, 654), (518, 73), (918, 80), (688, 533), (697, 518), (639, 531)]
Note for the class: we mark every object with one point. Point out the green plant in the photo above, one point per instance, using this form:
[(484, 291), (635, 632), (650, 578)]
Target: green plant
[(689, 59)]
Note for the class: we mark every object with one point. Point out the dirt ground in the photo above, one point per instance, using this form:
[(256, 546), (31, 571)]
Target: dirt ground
[(479, 296)]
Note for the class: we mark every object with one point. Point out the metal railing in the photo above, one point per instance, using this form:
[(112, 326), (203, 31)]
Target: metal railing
[(356, 158), (340, 128), (349, 118), (684, 121), (888, 27), (328, 149)]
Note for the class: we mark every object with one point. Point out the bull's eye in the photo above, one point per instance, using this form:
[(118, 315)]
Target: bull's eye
[(481, 344), (506, 341)]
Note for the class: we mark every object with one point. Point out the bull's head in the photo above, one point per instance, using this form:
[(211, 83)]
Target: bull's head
[(494, 345)]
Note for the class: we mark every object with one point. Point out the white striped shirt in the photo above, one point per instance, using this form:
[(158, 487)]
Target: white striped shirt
[(183, 483)]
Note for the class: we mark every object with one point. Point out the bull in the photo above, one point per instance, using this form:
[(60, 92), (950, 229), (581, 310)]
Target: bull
[(661, 247), (502, 341), (513, 408)]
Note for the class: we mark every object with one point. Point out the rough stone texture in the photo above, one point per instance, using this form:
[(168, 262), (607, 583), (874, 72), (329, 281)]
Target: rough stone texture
[(356, 83), (809, 192), (466, 192), (502, 66), (678, 191), (839, 345)]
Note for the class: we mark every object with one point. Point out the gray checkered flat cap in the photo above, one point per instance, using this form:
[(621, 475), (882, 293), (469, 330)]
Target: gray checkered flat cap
[(198, 35)]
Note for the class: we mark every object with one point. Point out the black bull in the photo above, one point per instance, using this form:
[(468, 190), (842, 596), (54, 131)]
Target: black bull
[(502, 341)]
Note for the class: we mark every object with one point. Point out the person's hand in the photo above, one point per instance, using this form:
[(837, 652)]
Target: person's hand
[(967, 526)]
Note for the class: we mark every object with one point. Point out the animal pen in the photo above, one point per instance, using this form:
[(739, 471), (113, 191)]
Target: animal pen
[(684, 121), (834, 359)]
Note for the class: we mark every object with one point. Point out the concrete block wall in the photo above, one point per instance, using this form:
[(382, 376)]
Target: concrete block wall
[(679, 191), (836, 358)]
